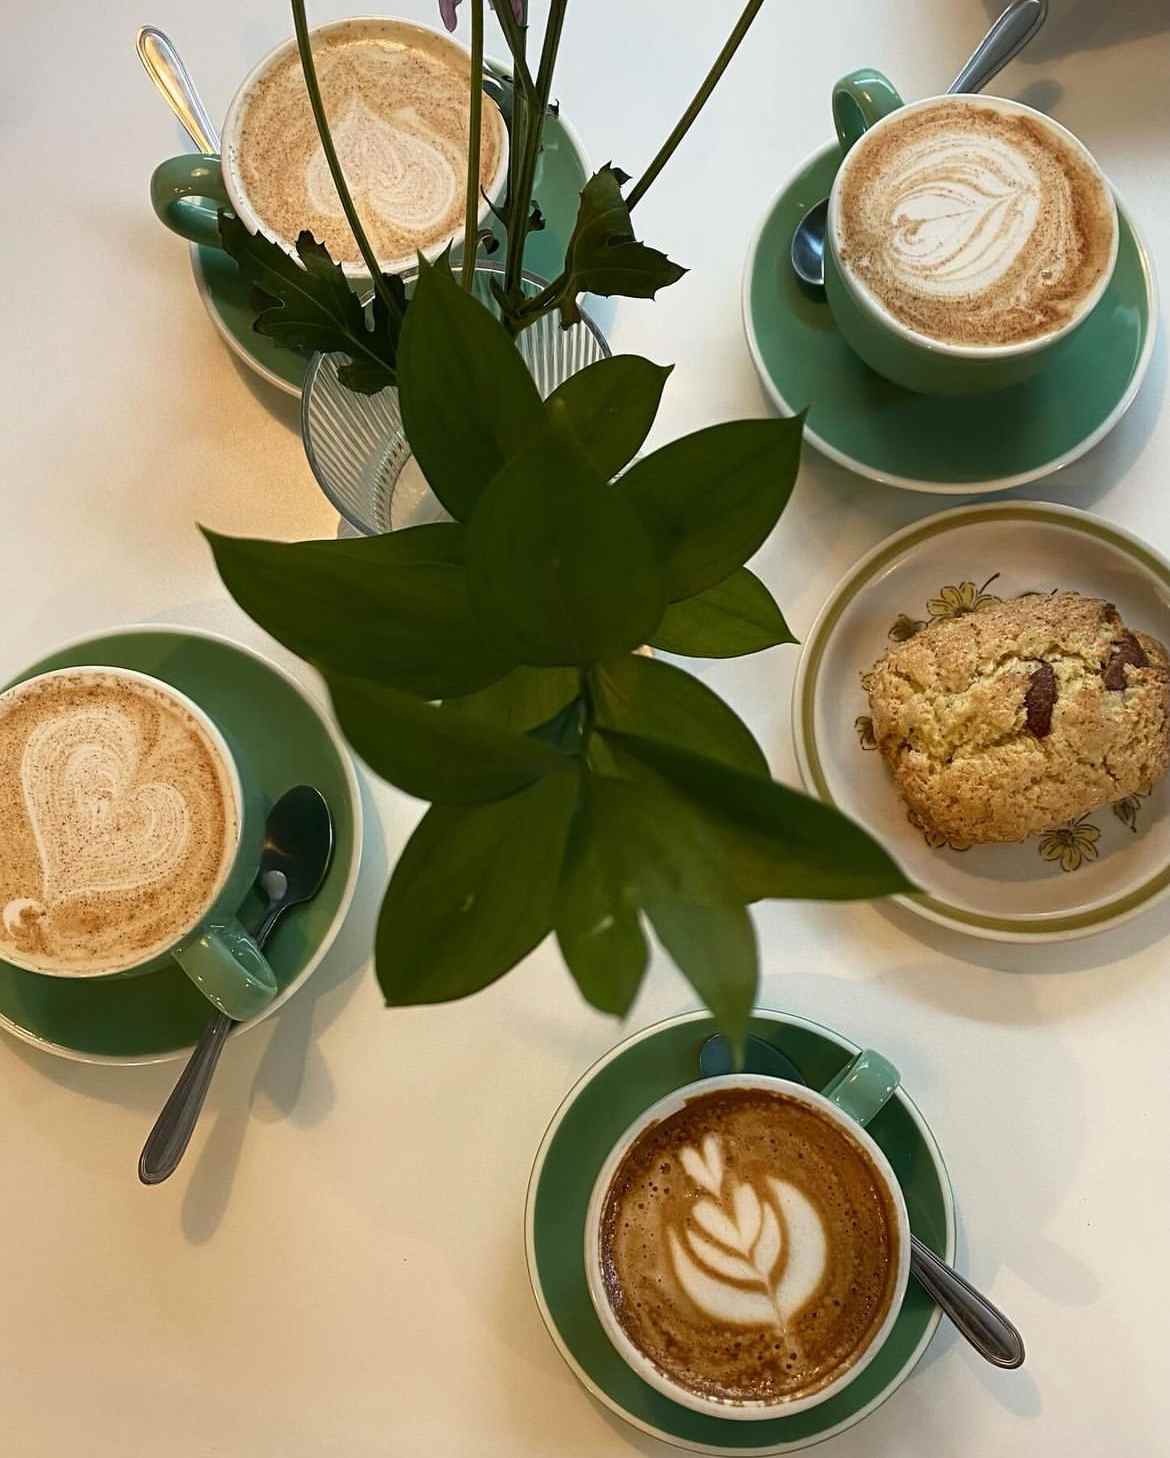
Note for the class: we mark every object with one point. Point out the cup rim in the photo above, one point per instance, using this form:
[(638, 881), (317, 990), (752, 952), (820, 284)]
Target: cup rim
[(354, 269), (637, 1360), (869, 300), (227, 759)]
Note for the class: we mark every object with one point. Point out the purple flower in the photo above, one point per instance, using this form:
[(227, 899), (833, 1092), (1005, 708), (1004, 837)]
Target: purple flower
[(447, 10)]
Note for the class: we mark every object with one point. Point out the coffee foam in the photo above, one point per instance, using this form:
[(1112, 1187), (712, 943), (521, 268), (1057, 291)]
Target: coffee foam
[(975, 226), (749, 1248), (119, 819), (397, 102)]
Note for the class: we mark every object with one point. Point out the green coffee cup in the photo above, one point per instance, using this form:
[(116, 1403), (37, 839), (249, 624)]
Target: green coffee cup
[(863, 104)]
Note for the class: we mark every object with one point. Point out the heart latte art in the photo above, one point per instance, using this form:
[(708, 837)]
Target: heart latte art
[(118, 821), (974, 226), (749, 1246), (396, 97)]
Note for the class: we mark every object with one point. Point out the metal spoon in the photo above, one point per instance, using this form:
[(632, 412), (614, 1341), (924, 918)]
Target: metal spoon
[(297, 849), (1007, 38), (987, 1329), (164, 66)]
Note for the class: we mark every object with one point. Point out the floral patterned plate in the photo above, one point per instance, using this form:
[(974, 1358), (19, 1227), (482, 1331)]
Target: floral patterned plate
[(1074, 880)]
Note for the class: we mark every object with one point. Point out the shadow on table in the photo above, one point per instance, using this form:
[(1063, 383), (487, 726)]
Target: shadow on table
[(1086, 25), (284, 408)]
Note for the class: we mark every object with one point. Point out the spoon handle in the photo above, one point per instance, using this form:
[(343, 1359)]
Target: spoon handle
[(1006, 39), (985, 1327), (176, 1122), (165, 68)]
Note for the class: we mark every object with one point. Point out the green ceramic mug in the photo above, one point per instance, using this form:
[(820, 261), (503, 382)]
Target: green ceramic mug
[(852, 1099), (863, 103), (213, 950), (188, 193)]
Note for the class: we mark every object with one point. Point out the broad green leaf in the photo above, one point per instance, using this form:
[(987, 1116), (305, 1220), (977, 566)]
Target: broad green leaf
[(765, 839), (598, 924), (468, 401), (736, 616), (603, 256), (644, 696), (448, 758), (710, 499), (560, 569), (309, 306), (610, 407), (393, 608), (715, 949), (473, 893), (524, 699)]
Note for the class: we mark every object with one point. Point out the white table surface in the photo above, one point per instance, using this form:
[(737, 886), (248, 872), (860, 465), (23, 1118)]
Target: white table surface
[(337, 1268)]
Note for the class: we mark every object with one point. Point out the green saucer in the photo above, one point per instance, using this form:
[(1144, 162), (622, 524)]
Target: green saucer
[(564, 169), (596, 1111), (963, 445), (284, 740)]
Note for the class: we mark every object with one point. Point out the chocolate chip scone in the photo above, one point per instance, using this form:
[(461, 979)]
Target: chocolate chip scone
[(1021, 716)]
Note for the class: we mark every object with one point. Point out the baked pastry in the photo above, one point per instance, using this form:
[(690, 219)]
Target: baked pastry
[(1021, 716)]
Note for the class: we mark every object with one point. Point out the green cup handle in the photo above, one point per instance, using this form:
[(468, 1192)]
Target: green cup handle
[(229, 969), (187, 193), (859, 100), (863, 1086)]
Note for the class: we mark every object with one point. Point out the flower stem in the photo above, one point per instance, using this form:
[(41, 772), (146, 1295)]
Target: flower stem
[(697, 103), (475, 114), (301, 26)]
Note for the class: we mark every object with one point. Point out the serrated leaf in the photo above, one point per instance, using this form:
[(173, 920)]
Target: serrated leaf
[(610, 406), (598, 923), (560, 569), (468, 401), (654, 699), (310, 306), (522, 700), (765, 839), (603, 256), (447, 758), (710, 499), (473, 893), (736, 616), (715, 949), (393, 608)]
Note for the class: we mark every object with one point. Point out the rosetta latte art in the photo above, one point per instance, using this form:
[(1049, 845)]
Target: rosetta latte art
[(746, 1257)]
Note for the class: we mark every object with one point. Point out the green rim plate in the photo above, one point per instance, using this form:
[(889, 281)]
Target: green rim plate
[(971, 444), (595, 1112), (160, 1014), (564, 171)]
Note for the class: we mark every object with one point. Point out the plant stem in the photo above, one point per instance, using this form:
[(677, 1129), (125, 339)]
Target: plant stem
[(475, 114), (301, 26), (699, 100)]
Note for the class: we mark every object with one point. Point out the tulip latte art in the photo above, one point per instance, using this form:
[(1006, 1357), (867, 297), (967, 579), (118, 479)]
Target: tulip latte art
[(975, 226), (396, 98), (749, 1247), (118, 821)]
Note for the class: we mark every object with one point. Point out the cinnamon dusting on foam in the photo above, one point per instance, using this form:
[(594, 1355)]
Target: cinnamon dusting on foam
[(397, 104), (975, 226)]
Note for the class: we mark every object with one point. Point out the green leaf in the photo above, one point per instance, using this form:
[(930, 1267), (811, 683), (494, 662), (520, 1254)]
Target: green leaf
[(598, 923), (310, 306), (736, 616), (473, 893), (448, 758), (610, 406), (560, 569), (764, 839), (468, 401), (603, 256), (393, 608), (522, 700), (644, 696), (710, 499), (715, 949)]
